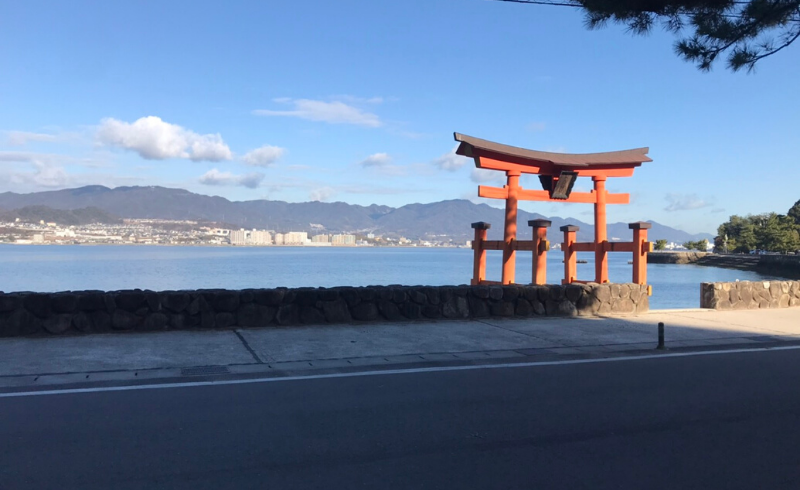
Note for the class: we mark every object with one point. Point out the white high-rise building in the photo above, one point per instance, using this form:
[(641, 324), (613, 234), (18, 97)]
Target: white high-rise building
[(238, 237), (260, 237)]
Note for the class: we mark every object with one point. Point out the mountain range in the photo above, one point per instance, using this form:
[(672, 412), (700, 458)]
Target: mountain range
[(451, 218)]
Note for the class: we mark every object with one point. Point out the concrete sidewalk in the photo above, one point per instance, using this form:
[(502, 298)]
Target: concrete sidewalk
[(111, 356)]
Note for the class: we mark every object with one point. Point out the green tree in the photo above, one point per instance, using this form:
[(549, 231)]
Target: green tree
[(745, 31), (660, 244), (777, 233), (794, 213)]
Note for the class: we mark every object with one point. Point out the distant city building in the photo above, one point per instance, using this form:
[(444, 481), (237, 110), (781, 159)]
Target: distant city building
[(341, 240), (320, 239), (278, 238), (295, 238), (260, 237), (238, 237), (370, 235)]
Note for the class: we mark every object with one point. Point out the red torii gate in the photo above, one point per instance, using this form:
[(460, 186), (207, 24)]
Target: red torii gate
[(557, 173)]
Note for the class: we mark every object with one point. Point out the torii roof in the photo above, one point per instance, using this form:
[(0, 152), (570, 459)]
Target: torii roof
[(624, 158)]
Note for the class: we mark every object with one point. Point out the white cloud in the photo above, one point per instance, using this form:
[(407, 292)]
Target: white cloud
[(155, 139), (335, 112), (21, 138), (376, 160), (684, 202), (450, 161), (264, 156), (483, 176), (322, 194), (215, 177)]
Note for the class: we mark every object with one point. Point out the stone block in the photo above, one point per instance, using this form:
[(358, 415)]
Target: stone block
[(81, 322), (418, 297), (399, 295), (495, 293), (390, 311), (38, 304), (733, 296), (412, 311), (573, 292), (246, 296), (288, 315), (367, 294), (783, 301), (478, 307), (615, 290), (531, 293), (510, 293), (457, 307), (130, 300), (306, 297), (255, 315), (101, 321), (557, 293), (602, 292), (502, 308), (155, 321), (269, 297), (328, 294), (10, 302), (20, 322), (431, 311), (226, 301), (336, 311), (64, 302), (153, 301), (310, 315), (538, 307), (175, 301), (481, 292), (433, 296), (124, 320), (625, 291), (523, 308), (365, 312), (350, 296)]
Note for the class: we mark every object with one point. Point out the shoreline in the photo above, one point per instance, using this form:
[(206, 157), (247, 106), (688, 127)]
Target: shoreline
[(784, 266)]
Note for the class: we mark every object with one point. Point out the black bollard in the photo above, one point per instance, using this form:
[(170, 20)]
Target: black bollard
[(661, 345)]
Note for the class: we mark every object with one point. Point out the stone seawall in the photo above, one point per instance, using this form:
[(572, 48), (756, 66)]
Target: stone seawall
[(747, 295), (787, 266), (30, 314)]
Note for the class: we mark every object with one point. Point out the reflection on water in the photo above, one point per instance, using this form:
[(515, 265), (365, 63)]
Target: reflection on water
[(59, 268)]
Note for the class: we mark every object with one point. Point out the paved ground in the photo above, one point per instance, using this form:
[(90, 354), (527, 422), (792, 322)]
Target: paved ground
[(23, 362), (703, 421)]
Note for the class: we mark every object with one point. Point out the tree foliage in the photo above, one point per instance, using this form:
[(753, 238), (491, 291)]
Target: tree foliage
[(700, 245), (660, 244), (744, 31), (770, 232)]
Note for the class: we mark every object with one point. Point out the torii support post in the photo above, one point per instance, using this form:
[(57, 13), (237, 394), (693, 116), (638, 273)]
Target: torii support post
[(540, 248), (510, 228), (479, 266), (640, 249), (600, 234), (570, 256)]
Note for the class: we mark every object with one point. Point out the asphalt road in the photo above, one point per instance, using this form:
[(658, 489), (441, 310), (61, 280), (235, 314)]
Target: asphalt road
[(722, 421)]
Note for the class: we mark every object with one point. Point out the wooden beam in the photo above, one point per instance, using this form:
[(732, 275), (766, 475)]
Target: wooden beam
[(583, 247), (578, 197), (492, 192), (494, 245), (525, 245), (528, 195), (619, 247)]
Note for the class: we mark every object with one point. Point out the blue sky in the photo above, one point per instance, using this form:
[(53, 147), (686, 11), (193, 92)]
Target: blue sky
[(357, 101)]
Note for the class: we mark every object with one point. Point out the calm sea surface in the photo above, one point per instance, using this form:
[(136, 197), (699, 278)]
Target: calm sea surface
[(60, 268)]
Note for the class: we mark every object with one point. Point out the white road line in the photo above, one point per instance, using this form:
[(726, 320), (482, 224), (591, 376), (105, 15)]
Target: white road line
[(393, 371)]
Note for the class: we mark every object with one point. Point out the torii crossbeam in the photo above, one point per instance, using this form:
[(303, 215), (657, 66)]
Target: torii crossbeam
[(557, 173)]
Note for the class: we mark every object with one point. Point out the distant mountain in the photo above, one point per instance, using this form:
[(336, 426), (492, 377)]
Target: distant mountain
[(449, 218), (68, 217)]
